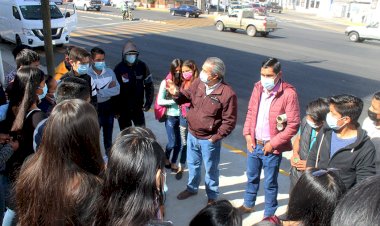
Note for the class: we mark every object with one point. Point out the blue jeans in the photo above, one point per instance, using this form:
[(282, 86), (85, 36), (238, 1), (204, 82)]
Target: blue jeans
[(271, 164), (106, 119), (203, 150), (2, 196), (9, 218), (183, 130), (174, 137)]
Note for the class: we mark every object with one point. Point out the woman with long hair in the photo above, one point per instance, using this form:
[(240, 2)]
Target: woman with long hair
[(172, 115), (15, 96), (28, 115), (59, 184), (189, 73), (134, 181), (314, 197)]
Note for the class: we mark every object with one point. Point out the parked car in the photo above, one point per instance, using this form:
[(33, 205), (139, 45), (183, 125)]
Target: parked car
[(246, 20), (186, 10), (273, 7), (88, 4), (256, 7), (361, 33), (57, 2)]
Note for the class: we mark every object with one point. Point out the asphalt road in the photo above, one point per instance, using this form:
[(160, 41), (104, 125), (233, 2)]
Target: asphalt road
[(316, 56)]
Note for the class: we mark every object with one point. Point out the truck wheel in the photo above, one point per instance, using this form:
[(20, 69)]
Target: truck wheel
[(97, 9), (196, 16), (187, 14), (232, 29), (18, 40), (279, 12), (354, 36), (173, 13), (251, 30), (219, 26), (85, 8)]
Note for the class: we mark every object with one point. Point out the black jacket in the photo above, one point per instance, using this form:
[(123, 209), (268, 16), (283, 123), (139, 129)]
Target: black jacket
[(135, 83), (354, 162)]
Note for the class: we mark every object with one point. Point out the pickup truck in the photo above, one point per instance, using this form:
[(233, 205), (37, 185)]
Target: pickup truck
[(246, 20), (360, 33)]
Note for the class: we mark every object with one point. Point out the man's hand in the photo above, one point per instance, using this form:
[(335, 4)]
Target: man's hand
[(171, 87), (250, 144), (294, 160), (301, 165), (112, 84), (268, 148)]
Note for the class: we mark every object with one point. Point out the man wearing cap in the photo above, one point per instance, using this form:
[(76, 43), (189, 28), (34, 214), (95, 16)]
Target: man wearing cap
[(136, 84), (266, 139)]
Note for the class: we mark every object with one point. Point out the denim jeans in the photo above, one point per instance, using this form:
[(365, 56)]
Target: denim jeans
[(106, 119), (174, 137), (2, 196), (183, 130), (9, 218), (203, 150), (271, 164)]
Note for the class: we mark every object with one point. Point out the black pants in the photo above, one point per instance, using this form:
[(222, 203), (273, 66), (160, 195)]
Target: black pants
[(133, 115)]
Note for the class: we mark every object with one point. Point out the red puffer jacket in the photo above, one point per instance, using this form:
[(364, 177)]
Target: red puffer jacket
[(285, 102)]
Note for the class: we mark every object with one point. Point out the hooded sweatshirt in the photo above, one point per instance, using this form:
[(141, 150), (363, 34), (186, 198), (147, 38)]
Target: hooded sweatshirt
[(354, 162)]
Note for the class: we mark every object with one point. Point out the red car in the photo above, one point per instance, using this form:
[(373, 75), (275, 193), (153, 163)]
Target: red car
[(261, 10)]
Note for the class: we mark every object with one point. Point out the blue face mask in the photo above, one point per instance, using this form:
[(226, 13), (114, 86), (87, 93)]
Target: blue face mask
[(130, 58), (268, 83), (100, 65), (44, 92), (82, 69)]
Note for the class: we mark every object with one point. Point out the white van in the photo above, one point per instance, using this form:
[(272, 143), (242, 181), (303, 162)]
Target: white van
[(21, 22)]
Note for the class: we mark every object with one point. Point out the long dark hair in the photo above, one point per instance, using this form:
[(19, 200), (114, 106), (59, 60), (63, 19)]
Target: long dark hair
[(360, 205), (36, 76), (130, 194), (314, 197), (16, 94), (173, 65), (58, 185)]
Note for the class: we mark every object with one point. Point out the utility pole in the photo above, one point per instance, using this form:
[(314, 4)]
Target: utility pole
[(47, 36)]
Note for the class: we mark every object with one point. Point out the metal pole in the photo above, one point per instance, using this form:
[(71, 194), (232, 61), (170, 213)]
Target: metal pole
[(2, 75), (45, 8)]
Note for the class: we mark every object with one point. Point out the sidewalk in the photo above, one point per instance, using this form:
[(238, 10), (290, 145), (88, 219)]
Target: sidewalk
[(232, 175)]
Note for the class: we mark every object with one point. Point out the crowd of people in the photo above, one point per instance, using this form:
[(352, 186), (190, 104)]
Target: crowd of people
[(53, 172)]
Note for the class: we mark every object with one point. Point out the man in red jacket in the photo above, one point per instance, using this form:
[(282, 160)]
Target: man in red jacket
[(266, 138)]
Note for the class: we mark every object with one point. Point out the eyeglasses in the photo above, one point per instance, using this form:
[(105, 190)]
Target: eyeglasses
[(322, 172)]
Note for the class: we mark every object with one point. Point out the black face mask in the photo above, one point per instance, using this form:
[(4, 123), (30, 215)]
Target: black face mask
[(373, 116), (68, 66), (177, 75)]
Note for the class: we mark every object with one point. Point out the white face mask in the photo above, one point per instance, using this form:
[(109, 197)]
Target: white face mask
[(311, 124), (203, 76), (333, 122)]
